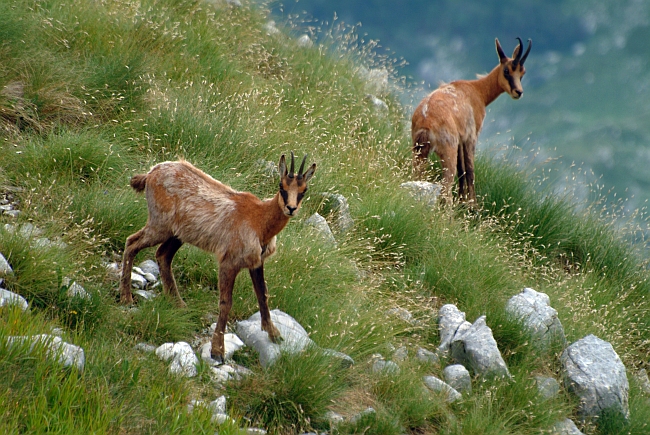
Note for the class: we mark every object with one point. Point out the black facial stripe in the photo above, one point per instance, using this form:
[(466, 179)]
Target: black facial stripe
[(284, 194), (511, 81)]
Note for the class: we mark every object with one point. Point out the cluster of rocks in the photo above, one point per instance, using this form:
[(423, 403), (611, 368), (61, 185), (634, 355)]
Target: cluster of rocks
[(9, 202), (34, 235), (144, 277)]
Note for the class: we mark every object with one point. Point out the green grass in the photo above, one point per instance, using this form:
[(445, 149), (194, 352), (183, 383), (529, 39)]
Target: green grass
[(110, 89)]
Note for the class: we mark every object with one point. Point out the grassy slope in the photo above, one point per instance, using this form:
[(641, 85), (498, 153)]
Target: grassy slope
[(111, 87)]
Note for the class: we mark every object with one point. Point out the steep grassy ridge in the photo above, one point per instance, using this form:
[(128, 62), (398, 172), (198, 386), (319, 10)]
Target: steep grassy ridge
[(94, 92)]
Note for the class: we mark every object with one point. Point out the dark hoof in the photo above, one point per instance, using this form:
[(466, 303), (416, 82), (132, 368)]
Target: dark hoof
[(217, 358), (277, 339)]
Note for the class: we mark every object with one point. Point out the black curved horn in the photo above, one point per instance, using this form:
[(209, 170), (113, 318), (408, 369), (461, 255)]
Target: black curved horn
[(292, 166), (517, 58), (302, 166), (523, 59)]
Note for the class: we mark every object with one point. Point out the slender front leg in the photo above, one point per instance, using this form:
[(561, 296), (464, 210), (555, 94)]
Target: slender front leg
[(257, 275), (164, 256), (226, 282)]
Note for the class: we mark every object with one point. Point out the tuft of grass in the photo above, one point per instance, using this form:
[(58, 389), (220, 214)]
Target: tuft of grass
[(292, 395)]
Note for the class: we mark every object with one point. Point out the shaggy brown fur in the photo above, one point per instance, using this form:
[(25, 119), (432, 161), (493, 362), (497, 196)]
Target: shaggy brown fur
[(188, 206), (448, 121)]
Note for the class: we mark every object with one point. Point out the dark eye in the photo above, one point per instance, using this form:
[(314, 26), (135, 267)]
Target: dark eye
[(506, 72)]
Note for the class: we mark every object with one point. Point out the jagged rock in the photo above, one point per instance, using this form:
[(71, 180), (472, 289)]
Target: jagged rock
[(565, 427), (426, 356), (450, 321), (593, 371), (184, 361), (65, 353), (402, 313), (232, 344), (305, 41), (366, 412), (423, 191), (75, 289), (5, 268), (438, 385), (320, 225), (547, 387), (338, 204), (457, 376), (534, 310), (145, 347), (295, 338), (477, 350), (10, 298)]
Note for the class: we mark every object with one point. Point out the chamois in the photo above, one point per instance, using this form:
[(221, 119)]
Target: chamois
[(449, 120), (188, 206)]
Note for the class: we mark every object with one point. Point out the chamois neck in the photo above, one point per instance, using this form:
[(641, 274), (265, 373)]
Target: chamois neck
[(275, 219), (488, 86)]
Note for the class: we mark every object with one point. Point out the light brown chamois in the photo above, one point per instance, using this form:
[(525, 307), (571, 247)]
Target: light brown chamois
[(188, 206), (449, 120)]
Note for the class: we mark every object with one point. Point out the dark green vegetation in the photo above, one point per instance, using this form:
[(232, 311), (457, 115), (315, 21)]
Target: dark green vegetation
[(93, 92)]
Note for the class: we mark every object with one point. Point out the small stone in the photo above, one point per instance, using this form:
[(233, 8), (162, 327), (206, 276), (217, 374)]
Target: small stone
[(320, 224), (334, 418), (145, 294), (366, 412), (305, 41), (400, 354), (426, 356), (547, 387), (457, 376), (145, 347), (138, 281), (437, 385), (383, 366), (149, 266), (10, 298), (5, 268), (565, 427)]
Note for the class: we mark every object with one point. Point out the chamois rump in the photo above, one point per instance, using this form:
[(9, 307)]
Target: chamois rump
[(188, 206), (448, 121)]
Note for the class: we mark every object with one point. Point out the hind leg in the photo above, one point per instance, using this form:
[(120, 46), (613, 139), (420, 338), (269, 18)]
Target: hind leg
[(134, 244), (164, 256), (470, 149)]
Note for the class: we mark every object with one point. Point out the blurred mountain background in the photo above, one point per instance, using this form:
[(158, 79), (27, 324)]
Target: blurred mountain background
[(586, 105)]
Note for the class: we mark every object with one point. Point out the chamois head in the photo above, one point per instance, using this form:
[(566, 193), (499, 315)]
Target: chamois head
[(512, 69), (293, 186)]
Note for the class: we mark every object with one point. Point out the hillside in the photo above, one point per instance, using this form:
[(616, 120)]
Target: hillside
[(95, 92), (586, 98)]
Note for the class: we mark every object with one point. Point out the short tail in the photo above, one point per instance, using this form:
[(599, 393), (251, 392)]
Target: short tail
[(139, 182)]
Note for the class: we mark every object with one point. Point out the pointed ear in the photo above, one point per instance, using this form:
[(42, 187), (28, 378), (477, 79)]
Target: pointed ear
[(310, 172), (282, 167), (515, 53), (502, 56)]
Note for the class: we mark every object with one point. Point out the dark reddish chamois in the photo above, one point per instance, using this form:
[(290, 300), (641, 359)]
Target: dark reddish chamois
[(448, 120), (188, 206)]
